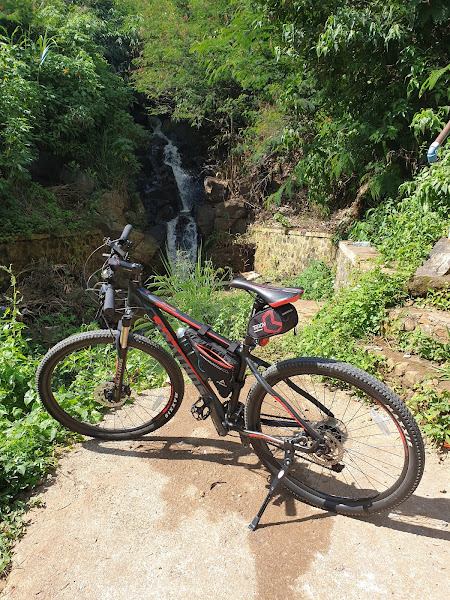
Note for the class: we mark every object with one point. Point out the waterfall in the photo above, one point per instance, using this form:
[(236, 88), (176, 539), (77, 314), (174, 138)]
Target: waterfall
[(181, 230)]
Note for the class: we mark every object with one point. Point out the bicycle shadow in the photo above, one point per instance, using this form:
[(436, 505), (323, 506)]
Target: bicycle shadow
[(190, 448), (418, 515)]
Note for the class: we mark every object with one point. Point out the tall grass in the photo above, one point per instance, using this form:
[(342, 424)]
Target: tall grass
[(197, 288)]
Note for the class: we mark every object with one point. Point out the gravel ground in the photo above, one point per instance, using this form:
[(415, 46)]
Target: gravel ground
[(167, 518)]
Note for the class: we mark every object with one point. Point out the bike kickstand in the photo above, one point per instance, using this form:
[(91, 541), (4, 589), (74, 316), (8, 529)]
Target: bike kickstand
[(287, 463)]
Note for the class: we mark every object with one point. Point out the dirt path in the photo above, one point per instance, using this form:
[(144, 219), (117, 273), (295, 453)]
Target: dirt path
[(166, 519)]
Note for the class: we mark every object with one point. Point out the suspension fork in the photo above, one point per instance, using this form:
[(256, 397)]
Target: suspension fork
[(122, 352)]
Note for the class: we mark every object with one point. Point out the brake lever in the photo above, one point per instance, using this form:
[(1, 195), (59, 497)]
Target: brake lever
[(117, 249)]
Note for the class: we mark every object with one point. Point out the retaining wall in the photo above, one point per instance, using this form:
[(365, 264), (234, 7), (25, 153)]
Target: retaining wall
[(70, 248), (290, 251)]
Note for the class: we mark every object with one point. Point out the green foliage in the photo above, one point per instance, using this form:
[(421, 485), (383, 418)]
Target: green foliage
[(63, 92), (357, 311), (27, 432), (417, 342), (438, 299), (195, 289), (317, 280), (432, 412), (334, 87), (404, 231), (166, 70), (29, 208)]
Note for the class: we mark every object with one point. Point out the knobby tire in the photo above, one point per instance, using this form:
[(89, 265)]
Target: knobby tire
[(73, 376), (379, 450)]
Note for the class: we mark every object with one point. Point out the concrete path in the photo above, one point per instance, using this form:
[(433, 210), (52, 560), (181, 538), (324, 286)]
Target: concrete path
[(166, 519)]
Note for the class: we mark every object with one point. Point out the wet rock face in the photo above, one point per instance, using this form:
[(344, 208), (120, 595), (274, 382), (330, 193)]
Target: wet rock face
[(157, 188), (220, 212), (216, 190), (435, 272)]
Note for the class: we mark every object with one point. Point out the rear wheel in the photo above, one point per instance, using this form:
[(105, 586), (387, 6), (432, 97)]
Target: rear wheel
[(375, 455), (75, 376)]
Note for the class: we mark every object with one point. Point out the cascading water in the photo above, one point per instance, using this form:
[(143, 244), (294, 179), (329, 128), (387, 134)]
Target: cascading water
[(181, 230)]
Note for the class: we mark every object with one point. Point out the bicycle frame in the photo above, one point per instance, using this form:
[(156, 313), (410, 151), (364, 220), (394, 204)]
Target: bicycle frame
[(225, 416)]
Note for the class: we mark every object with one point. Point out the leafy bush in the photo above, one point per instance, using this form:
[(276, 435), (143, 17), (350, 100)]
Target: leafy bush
[(354, 313), (61, 98), (27, 433), (432, 412), (317, 280), (438, 299), (405, 230), (348, 91)]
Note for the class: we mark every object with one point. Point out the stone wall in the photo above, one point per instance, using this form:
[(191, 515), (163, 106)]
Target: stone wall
[(71, 248), (290, 251)]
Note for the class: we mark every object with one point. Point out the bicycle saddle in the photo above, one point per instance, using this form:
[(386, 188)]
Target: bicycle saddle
[(273, 296)]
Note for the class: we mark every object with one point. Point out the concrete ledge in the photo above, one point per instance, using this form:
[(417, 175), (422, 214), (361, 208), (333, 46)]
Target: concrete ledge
[(352, 256), (292, 231), (357, 254)]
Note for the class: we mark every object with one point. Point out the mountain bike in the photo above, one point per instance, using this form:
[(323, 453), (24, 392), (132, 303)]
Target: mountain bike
[(335, 436)]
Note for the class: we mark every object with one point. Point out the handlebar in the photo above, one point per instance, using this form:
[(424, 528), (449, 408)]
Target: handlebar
[(432, 150), (117, 261), (125, 233), (133, 268)]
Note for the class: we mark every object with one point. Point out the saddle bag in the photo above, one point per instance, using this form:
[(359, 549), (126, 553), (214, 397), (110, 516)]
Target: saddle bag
[(214, 361), (272, 321)]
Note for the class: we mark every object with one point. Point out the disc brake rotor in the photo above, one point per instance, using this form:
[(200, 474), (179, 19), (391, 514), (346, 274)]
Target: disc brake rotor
[(334, 452), (102, 393)]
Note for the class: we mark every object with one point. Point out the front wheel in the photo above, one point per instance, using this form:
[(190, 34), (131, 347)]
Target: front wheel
[(375, 456), (75, 376)]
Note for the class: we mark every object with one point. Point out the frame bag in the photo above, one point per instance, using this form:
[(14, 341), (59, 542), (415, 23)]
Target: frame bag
[(214, 361)]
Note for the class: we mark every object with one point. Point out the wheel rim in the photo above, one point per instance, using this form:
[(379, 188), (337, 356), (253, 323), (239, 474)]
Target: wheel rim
[(78, 384), (374, 447)]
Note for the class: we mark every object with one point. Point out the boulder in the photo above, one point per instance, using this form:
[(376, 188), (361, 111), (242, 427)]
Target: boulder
[(239, 226), (137, 214), (439, 261), (227, 213), (435, 272), (145, 247), (216, 190), (112, 208), (205, 219)]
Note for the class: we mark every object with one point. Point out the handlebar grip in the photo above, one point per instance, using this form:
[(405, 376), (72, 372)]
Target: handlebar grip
[(109, 305), (125, 233)]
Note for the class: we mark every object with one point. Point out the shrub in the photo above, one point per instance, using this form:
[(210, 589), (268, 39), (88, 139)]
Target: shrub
[(317, 281), (27, 433)]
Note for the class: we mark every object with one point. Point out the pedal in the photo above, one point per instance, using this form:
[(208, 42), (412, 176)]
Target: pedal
[(200, 410)]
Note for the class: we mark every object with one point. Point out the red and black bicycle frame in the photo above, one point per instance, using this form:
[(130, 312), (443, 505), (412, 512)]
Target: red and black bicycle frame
[(222, 414)]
